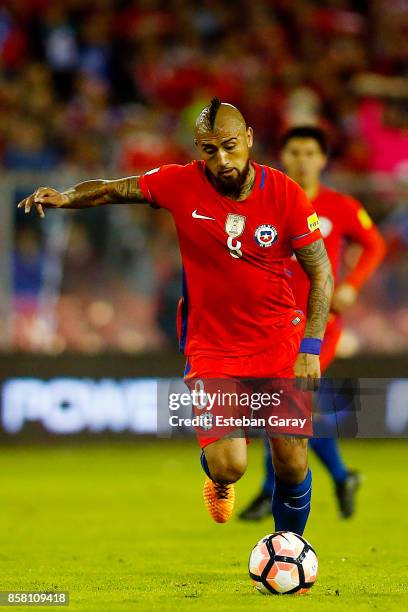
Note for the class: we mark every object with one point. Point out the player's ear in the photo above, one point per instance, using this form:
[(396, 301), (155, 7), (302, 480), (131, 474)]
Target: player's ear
[(250, 137), (196, 142)]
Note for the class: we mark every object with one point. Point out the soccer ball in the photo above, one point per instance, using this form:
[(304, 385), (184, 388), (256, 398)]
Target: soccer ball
[(283, 563)]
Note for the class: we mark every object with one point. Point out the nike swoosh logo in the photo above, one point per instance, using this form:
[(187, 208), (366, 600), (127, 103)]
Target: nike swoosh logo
[(195, 215)]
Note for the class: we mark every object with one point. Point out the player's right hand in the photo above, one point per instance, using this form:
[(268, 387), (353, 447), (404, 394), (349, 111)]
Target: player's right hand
[(43, 197), (307, 372)]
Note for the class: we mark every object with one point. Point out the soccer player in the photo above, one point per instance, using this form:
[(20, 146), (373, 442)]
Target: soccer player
[(237, 223), (342, 219)]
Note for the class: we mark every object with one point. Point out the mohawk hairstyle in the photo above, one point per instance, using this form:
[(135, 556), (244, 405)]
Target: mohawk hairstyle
[(211, 112)]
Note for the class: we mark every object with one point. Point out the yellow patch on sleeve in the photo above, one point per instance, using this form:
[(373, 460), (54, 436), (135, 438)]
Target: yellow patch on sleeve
[(364, 218), (313, 222)]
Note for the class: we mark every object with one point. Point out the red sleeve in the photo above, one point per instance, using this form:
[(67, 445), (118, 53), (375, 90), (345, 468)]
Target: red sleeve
[(161, 185), (359, 228), (303, 222)]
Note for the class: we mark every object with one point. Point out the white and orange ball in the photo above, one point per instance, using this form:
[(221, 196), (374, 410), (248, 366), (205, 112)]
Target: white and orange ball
[(283, 563)]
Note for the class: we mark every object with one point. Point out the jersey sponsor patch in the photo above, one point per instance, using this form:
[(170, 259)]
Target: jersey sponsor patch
[(364, 218), (266, 235), (313, 222)]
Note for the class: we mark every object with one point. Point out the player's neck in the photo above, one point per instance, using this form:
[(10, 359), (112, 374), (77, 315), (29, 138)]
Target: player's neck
[(248, 185), (311, 190)]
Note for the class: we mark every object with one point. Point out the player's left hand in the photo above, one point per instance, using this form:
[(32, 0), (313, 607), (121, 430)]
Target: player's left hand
[(307, 371), (344, 296)]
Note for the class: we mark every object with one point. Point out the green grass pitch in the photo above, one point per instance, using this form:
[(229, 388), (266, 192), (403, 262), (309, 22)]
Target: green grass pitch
[(122, 526)]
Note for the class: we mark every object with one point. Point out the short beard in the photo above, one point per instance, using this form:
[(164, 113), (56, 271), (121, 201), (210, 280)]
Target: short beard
[(229, 187)]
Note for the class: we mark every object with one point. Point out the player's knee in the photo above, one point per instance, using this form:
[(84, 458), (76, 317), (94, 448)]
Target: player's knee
[(227, 469), (227, 459), (290, 459), (292, 470)]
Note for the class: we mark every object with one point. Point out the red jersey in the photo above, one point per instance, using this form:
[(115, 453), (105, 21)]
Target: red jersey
[(237, 298), (341, 219)]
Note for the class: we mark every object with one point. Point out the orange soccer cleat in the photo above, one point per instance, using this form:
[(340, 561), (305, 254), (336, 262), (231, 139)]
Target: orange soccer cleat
[(219, 499)]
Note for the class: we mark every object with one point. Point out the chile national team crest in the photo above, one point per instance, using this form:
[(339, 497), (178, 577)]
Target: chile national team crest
[(266, 235)]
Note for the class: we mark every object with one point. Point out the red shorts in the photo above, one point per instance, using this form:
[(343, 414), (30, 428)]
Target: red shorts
[(269, 373)]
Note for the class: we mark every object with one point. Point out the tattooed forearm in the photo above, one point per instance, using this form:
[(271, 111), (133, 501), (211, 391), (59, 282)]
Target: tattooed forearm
[(97, 193), (316, 264), (88, 194), (318, 308)]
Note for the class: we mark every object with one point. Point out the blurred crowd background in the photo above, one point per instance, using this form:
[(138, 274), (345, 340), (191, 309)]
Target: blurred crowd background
[(106, 88)]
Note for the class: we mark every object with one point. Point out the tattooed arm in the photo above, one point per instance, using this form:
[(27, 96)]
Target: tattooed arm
[(315, 262), (86, 195)]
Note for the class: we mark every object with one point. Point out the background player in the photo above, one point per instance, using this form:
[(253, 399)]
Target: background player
[(237, 224), (342, 218)]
